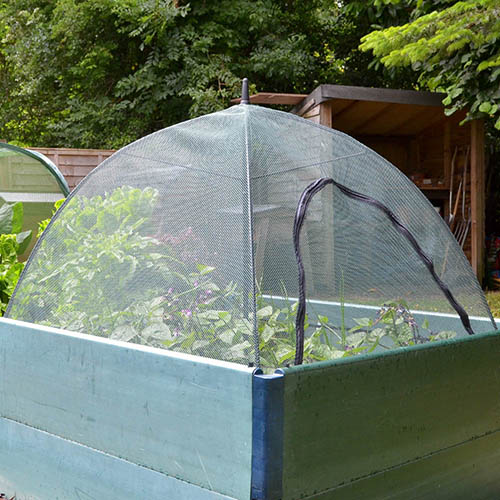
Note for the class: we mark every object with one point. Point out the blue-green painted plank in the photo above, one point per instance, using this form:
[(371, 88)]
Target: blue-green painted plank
[(464, 472), (35, 465), (181, 415), (356, 418)]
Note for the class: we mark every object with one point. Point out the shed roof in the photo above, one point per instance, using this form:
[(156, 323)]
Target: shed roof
[(274, 98), (377, 111), (368, 111), (395, 96)]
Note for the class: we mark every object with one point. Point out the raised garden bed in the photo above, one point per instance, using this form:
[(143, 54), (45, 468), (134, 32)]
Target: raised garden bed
[(84, 417), (176, 261)]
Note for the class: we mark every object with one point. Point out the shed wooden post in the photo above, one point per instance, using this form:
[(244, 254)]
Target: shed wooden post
[(477, 197), (325, 113), (447, 152)]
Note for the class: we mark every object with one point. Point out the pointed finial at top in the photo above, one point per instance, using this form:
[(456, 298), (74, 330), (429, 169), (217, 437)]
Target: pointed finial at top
[(245, 98)]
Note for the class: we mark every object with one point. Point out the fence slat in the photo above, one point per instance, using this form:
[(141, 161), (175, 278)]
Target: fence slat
[(75, 164)]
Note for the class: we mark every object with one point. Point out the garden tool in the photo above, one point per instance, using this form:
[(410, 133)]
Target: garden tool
[(449, 218), (460, 227), (453, 218), (466, 231)]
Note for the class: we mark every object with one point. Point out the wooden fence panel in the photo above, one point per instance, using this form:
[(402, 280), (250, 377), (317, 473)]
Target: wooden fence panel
[(75, 164)]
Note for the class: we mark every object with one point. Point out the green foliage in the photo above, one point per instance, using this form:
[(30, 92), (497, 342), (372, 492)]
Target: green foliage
[(13, 242), (455, 48), (101, 236), (42, 225), (101, 73), (493, 299), (111, 282)]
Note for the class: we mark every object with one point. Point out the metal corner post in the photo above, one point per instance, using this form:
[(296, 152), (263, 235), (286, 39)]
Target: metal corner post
[(267, 436)]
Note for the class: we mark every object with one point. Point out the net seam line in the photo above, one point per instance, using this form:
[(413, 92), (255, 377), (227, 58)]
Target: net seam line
[(300, 215), (182, 166), (310, 165), (317, 164)]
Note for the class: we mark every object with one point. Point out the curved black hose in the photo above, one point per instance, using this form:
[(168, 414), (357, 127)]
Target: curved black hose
[(300, 216)]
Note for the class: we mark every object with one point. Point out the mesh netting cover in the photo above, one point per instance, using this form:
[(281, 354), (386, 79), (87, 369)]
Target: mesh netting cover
[(29, 176), (184, 240)]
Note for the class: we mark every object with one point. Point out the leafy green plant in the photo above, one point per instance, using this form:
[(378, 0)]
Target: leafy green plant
[(100, 236), (392, 327), (73, 69), (103, 267), (42, 225), (453, 48), (493, 298), (13, 242)]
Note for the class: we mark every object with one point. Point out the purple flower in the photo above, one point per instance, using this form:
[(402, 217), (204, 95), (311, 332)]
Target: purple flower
[(195, 283), (170, 290), (208, 292), (187, 312)]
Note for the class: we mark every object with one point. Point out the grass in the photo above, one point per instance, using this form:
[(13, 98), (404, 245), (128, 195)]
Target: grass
[(493, 299)]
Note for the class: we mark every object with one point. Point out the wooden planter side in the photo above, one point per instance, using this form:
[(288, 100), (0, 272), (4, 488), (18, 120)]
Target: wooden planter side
[(36, 465), (84, 417), (423, 422), (125, 414)]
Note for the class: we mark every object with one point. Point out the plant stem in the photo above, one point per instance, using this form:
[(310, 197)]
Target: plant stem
[(342, 310)]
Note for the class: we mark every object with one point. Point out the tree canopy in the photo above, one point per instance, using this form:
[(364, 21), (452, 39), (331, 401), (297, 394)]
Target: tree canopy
[(454, 47), (100, 73)]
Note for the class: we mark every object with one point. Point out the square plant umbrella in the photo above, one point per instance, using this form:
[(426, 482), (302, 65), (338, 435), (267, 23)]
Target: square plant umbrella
[(248, 237)]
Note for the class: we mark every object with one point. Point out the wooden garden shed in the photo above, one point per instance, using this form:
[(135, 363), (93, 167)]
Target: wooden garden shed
[(409, 129)]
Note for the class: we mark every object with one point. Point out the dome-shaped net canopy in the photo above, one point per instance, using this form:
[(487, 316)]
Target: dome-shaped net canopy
[(31, 178), (184, 240)]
